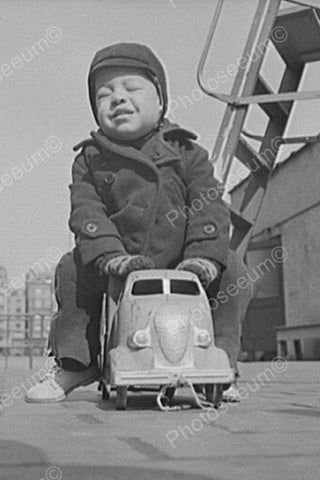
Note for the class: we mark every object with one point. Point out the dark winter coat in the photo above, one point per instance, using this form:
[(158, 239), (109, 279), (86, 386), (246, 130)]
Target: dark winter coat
[(161, 201)]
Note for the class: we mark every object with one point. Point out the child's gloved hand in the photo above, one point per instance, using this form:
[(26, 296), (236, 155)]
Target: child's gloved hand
[(125, 264), (206, 270)]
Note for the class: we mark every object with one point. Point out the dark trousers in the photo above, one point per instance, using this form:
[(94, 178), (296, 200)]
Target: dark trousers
[(75, 328)]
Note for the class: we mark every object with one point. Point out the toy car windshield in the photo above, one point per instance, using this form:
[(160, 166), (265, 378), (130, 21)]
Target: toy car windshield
[(155, 287), (184, 287)]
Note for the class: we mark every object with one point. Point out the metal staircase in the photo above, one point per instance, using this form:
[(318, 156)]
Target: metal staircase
[(295, 34)]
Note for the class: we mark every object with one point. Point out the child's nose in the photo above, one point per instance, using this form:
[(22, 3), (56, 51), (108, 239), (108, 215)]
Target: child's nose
[(118, 97)]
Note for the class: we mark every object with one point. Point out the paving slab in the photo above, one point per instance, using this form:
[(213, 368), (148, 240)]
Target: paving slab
[(273, 433)]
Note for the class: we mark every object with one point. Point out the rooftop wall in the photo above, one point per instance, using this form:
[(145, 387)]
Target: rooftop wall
[(293, 188)]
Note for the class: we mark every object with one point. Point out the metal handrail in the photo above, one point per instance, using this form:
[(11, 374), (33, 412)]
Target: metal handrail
[(277, 97), (246, 100), (219, 96), (285, 140)]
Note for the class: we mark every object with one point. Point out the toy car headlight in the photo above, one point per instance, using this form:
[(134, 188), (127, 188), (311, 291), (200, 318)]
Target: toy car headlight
[(140, 339), (202, 337)]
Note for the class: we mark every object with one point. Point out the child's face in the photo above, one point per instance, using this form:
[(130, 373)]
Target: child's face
[(127, 102)]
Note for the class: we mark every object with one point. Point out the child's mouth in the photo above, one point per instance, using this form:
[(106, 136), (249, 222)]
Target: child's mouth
[(121, 113)]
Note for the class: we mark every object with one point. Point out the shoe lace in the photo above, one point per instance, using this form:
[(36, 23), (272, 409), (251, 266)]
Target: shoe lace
[(51, 373)]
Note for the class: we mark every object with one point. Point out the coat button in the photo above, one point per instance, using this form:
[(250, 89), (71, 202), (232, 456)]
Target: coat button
[(91, 227), (208, 229), (109, 178)]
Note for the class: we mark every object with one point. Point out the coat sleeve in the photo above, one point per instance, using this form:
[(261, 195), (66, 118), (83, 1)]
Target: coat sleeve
[(95, 233), (208, 222)]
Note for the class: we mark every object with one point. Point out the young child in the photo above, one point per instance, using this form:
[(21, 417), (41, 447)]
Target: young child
[(137, 184)]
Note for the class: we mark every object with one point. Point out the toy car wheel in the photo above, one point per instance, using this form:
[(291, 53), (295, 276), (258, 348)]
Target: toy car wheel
[(214, 393), (198, 387), (218, 392), (105, 392), (209, 389), (122, 393), (170, 391)]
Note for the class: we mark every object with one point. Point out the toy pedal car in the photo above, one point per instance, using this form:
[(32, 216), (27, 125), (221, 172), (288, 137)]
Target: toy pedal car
[(159, 332)]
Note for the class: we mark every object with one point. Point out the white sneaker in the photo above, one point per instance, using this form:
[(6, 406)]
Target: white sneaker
[(231, 395), (58, 383)]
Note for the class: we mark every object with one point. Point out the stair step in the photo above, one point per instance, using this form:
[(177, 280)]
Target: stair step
[(250, 158), (242, 227), (256, 182), (238, 220), (300, 28), (275, 111)]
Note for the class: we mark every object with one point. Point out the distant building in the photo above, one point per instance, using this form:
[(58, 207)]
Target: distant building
[(12, 322), (16, 302), (39, 292), (3, 306), (287, 293), (40, 303), (16, 306), (3, 285), (17, 324)]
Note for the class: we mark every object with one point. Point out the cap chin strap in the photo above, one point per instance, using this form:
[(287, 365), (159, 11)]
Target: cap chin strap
[(159, 90), (156, 83)]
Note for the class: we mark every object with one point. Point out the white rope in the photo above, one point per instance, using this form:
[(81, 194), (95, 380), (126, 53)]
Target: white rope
[(163, 400), (203, 404), (162, 396)]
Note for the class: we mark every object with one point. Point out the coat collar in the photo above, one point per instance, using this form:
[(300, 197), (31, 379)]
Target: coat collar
[(157, 148), (175, 130)]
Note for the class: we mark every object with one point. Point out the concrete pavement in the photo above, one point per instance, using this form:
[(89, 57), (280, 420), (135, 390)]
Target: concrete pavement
[(273, 434)]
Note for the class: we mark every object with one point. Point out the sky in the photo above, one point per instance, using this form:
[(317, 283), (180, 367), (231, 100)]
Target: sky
[(45, 51)]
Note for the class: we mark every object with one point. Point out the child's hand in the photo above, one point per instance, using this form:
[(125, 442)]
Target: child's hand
[(125, 264), (206, 271)]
